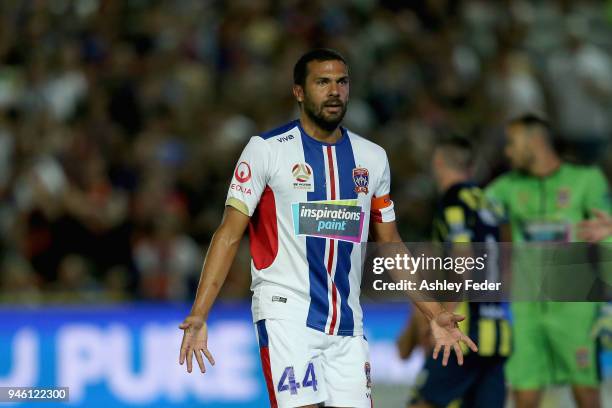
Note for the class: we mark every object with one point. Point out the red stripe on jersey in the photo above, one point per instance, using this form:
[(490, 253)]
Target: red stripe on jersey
[(264, 353), (330, 259), (330, 262), (332, 178), (263, 231)]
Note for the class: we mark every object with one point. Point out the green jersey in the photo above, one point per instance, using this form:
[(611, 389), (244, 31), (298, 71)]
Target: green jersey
[(548, 208)]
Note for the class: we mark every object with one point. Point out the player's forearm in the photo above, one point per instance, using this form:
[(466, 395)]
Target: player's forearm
[(216, 266), (430, 309), (450, 306)]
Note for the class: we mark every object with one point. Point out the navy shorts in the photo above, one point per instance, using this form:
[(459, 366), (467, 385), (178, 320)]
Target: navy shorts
[(478, 383)]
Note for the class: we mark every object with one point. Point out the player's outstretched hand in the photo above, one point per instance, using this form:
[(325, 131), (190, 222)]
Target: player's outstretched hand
[(595, 229), (446, 334), (195, 339)]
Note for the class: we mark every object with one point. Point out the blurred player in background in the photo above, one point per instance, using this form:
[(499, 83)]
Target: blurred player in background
[(463, 217), (307, 191), (544, 199)]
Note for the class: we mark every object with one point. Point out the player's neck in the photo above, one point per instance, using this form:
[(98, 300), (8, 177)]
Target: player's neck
[(545, 165), (450, 179), (318, 133)]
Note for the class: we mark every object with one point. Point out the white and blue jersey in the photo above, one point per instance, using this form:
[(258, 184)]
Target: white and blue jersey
[(310, 205)]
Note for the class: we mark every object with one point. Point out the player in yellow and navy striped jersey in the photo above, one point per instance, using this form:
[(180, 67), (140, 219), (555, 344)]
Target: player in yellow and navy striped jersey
[(464, 216)]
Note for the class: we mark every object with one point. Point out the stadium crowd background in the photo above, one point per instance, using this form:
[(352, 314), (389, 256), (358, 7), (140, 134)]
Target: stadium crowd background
[(121, 121)]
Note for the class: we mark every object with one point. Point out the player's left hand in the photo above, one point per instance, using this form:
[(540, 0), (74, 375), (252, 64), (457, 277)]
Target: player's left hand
[(446, 334)]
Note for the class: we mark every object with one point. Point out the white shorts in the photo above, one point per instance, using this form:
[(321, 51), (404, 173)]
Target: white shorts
[(303, 366)]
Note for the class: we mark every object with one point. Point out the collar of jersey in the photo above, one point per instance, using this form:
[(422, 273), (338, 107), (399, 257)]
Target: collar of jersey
[(555, 173), (452, 190), (311, 139)]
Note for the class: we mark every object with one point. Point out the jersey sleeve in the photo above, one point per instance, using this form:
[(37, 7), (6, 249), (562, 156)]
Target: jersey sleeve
[(382, 208), (250, 177)]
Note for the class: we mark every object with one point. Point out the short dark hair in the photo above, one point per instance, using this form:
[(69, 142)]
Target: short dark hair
[(458, 151), (532, 120), (300, 70)]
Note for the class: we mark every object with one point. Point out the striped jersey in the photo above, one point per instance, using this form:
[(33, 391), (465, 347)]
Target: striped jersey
[(465, 216), (310, 204)]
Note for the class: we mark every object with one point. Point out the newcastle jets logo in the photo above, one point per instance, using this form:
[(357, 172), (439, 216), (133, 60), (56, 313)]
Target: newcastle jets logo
[(302, 174), (361, 178)]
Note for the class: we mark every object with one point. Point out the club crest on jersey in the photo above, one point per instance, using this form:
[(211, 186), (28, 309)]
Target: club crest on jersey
[(302, 174), (563, 197), (582, 357), (366, 368), (361, 178)]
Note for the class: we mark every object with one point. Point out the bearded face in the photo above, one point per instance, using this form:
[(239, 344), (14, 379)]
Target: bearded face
[(325, 93)]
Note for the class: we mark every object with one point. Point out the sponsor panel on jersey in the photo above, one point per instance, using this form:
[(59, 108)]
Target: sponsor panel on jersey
[(242, 172), (335, 219), (241, 189), (283, 139), (538, 230)]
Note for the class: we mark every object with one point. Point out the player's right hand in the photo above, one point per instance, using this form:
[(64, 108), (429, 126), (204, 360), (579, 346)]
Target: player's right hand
[(195, 338)]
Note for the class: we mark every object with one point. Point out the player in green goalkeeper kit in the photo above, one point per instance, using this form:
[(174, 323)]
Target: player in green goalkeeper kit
[(544, 199)]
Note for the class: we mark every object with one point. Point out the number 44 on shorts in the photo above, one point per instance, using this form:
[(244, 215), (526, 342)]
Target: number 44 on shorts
[(287, 380)]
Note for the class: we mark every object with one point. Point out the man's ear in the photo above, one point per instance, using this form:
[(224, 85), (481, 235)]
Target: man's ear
[(298, 92)]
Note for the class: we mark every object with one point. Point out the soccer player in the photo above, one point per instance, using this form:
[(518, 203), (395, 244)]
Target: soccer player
[(544, 199), (308, 191), (464, 216)]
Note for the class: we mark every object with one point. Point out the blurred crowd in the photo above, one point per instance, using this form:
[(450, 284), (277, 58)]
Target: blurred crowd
[(121, 121)]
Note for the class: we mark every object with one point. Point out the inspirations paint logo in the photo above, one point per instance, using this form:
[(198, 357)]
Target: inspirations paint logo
[(335, 219)]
